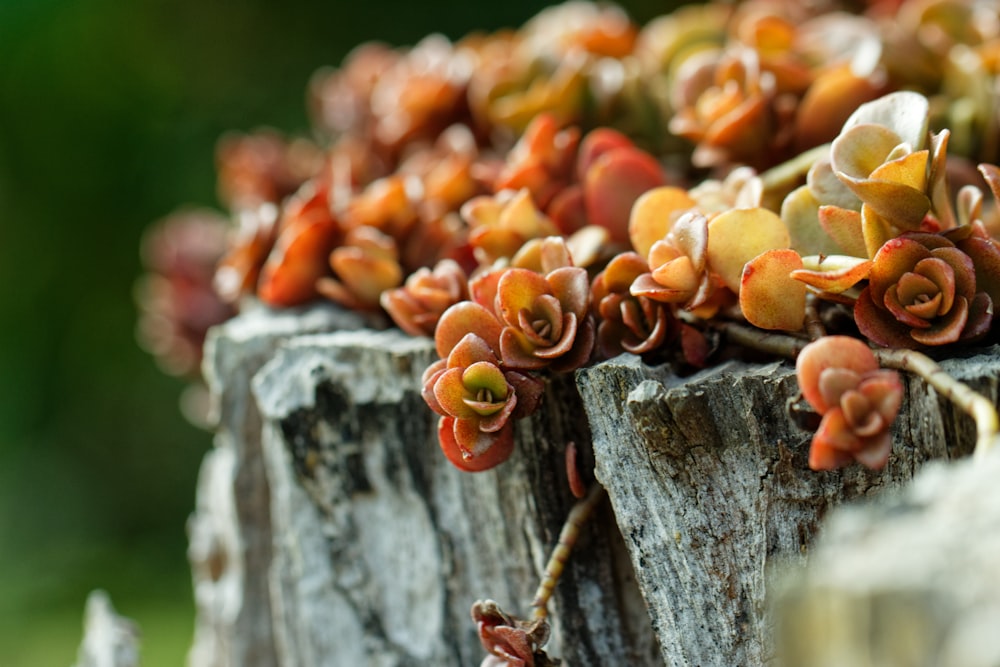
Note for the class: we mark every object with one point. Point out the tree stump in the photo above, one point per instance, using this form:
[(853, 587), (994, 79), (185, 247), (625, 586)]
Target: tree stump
[(330, 530), (709, 481), (358, 542)]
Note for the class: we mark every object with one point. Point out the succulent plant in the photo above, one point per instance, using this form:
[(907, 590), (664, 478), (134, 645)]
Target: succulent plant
[(840, 377), (922, 292), (546, 319), (477, 399), (584, 186), (417, 306), (628, 323), (508, 640)]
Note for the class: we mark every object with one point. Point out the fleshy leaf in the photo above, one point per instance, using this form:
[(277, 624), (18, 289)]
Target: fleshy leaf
[(833, 274), (737, 236), (800, 213), (494, 448), (904, 112), (463, 318), (830, 352), (654, 213), (769, 297), (844, 226)]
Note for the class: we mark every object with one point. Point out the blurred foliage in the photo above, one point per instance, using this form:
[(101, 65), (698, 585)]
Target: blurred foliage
[(109, 113)]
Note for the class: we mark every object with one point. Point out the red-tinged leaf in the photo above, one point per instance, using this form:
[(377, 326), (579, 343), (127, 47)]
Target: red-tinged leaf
[(874, 454), (450, 394), (963, 271), (985, 256), (461, 319), (529, 390), (991, 174), (843, 225), (878, 325), (834, 382), (646, 286), (946, 328), (896, 257), (517, 291), (980, 318), (824, 457), (885, 391), (563, 344), (572, 287), (470, 350), (622, 271), (516, 352), (567, 210), (839, 277), (583, 347), (830, 352), (694, 346), (496, 447), (596, 143), (298, 260), (613, 183), (430, 378), (836, 432), (769, 297)]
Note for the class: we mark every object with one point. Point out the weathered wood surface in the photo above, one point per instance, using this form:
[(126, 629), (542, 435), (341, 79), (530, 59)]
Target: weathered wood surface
[(359, 543), (109, 640), (330, 530), (230, 530), (709, 482), (908, 581)]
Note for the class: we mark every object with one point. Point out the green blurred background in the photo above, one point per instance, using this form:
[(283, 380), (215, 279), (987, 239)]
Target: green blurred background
[(109, 113)]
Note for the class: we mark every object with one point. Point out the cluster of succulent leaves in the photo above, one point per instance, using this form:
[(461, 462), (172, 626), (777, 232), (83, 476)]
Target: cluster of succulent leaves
[(540, 199)]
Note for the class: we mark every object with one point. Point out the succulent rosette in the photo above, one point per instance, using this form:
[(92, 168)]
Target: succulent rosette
[(628, 323), (922, 292), (417, 306), (477, 399), (510, 641), (545, 319), (840, 377)]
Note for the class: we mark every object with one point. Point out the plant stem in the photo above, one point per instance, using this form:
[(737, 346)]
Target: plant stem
[(814, 326), (763, 341), (567, 539), (974, 404)]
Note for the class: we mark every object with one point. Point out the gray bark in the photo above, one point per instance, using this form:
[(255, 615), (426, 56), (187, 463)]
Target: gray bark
[(906, 581), (330, 530), (353, 541), (109, 640), (230, 531), (709, 481)]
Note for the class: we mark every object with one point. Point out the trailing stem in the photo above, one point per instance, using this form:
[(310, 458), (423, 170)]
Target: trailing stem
[(567, 539), (971, 402)]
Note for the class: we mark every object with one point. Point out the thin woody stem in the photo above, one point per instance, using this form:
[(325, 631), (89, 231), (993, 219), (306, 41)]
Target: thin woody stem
[(567, 539), (762, 341), (813, 325), (971, 402)]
